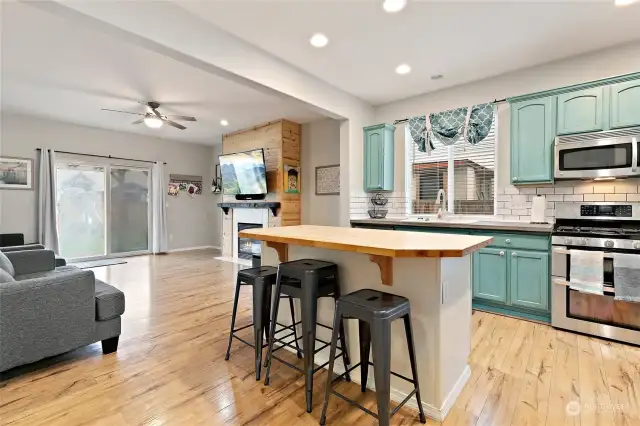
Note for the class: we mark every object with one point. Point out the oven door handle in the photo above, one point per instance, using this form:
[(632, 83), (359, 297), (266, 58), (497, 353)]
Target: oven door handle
[(568, 252), (634, 154)]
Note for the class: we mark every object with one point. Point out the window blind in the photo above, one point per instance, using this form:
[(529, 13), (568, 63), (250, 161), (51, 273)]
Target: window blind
[(466, 172)]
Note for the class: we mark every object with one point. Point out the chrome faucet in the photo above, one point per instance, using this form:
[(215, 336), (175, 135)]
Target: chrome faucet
[(440, 199)]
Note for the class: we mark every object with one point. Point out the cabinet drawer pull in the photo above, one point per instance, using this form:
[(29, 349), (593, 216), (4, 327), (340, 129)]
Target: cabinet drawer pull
[(502, 253), (514, 254), (507, 241)]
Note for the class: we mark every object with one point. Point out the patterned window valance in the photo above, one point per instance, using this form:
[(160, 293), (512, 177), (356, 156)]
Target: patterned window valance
[(448, 127)]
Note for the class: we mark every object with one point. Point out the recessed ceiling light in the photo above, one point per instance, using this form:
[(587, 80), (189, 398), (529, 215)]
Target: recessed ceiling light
[(152, 121), (624, 2), (436, 76), (403, 69), (224, 122), (319, 40), (393, 6)]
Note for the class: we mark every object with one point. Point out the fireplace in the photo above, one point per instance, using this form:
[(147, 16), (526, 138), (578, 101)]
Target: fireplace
[(247, 247)]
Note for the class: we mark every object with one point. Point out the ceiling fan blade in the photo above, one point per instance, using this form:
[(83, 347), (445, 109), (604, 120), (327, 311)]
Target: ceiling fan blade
[(174, 124), (155, 111), (182, 117), (138, 121), (125, 112)]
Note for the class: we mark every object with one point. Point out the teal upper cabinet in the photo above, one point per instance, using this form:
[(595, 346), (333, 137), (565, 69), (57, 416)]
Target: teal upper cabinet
[(378, 157), (532, 135), (490, 274), (581, 111), (529, 279), (625, 104)]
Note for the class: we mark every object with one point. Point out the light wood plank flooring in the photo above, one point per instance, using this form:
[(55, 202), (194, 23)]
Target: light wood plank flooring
[(170, 368)]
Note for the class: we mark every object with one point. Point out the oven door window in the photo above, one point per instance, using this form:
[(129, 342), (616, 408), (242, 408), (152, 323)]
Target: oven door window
[(603, 310), (596, 157)]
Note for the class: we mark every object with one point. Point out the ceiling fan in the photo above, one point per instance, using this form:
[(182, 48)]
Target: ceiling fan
[(154, 119)]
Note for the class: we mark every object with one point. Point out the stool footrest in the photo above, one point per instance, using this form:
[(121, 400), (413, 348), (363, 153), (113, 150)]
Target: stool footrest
[(242, 328), (352, 402)]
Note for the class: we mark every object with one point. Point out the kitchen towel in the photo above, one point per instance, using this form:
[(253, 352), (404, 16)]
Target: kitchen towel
[(587, 271), (626, 276)]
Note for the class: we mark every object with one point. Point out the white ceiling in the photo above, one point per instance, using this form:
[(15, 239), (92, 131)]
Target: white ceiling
[(464, 41), (54, 69)]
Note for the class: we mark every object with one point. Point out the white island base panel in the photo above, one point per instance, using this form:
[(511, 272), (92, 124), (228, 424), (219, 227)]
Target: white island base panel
[(439, 290)]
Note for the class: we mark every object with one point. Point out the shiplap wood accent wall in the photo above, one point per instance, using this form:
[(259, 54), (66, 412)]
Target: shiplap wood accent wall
[(281, 143)]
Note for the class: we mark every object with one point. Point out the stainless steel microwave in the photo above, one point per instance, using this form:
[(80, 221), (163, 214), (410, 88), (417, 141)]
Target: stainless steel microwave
[(611, 154)]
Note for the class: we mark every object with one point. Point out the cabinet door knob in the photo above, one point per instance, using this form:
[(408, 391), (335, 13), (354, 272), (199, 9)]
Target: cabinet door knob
[(514, 254), (502, 253), (515, 179), (507, 241)]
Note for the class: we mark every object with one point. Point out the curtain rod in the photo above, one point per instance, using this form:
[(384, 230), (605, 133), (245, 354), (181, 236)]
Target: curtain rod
[(102, 156), (404, 120)]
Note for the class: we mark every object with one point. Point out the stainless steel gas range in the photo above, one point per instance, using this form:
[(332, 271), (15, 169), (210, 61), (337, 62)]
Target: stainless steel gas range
[(608, 227)]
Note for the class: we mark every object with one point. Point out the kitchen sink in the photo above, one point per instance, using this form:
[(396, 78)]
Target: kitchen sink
[(453, 220)]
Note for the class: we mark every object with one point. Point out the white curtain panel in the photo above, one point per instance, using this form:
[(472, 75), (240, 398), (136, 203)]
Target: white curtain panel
[(47, 226), (159, 200)]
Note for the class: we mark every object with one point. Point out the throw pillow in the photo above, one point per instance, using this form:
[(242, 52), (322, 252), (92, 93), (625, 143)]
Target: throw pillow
[(5, 277), (6, 265)]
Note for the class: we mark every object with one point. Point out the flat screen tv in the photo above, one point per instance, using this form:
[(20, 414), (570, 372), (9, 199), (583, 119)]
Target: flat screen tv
[(244, 174)]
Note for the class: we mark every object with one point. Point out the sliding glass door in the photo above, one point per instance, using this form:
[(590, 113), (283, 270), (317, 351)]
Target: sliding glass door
[(103, 210)]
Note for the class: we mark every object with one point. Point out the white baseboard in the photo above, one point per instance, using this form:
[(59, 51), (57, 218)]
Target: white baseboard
[(438, 414), (193, 249)]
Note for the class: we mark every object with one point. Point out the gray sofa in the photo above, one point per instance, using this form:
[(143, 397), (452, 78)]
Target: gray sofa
[(47, 310)]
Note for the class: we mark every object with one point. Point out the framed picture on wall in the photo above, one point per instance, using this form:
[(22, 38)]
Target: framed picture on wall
[(328, 180), (16, 173)]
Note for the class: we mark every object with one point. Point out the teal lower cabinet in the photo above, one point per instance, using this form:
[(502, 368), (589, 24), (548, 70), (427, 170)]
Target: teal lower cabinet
[(529, 279), (490, 275), (512, 276)]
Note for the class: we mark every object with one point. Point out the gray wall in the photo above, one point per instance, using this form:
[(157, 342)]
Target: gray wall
[(190, 220), (216, 217), (320, 147)]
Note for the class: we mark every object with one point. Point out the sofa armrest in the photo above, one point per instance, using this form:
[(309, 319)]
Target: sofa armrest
[(46, 316), (22, 248), (32, 261)]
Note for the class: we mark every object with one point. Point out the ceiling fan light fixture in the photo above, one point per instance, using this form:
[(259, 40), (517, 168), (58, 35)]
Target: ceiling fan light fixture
[(393, 6), (224, 122), (624, 2), (152, 122)]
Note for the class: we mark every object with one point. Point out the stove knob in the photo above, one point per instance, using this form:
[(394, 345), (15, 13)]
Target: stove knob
[(581, 242), (568, 241), (636, 245), (609, 244)]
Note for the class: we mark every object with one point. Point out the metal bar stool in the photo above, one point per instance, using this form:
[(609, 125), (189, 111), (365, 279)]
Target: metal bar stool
[(307, 280), (261, 279), (375, 311)]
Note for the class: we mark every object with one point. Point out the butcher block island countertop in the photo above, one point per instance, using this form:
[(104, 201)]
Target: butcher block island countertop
[(378, 242), (432, 270)]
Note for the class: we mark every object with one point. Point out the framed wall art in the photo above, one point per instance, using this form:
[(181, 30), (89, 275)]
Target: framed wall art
[(328, 180), (16, 173)]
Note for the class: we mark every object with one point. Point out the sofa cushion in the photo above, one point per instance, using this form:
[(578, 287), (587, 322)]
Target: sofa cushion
[(109, 301), (52, 273), (6, 265), (5, 277)]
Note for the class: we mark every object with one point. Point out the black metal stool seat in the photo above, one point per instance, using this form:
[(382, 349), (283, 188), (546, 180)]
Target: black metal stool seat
[(261, 279), (307, 280), (375, 311)]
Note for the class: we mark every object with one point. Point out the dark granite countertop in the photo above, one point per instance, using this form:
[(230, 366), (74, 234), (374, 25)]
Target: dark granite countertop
[(497, 225)]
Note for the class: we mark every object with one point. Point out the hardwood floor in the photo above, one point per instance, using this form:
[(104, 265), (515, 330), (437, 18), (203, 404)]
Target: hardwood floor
[(170, 368)]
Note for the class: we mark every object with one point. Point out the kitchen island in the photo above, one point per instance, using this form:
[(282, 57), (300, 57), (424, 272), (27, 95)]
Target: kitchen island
[(432, 270)]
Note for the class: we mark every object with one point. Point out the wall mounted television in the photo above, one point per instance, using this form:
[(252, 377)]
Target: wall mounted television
[(244, 175)]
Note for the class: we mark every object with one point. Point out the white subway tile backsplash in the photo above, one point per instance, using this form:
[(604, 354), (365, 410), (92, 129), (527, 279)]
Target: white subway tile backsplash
[(625, 188), (511, 190), (550, 213), (511, 217), (519, 199), (615, 197), (520, 212), (603, 188), (549, 190), (633, 198), (593, 197), (583, 189), (504, 198), (527, 190), (564, 190), (504, 211), (573, 198), (555, 197)]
